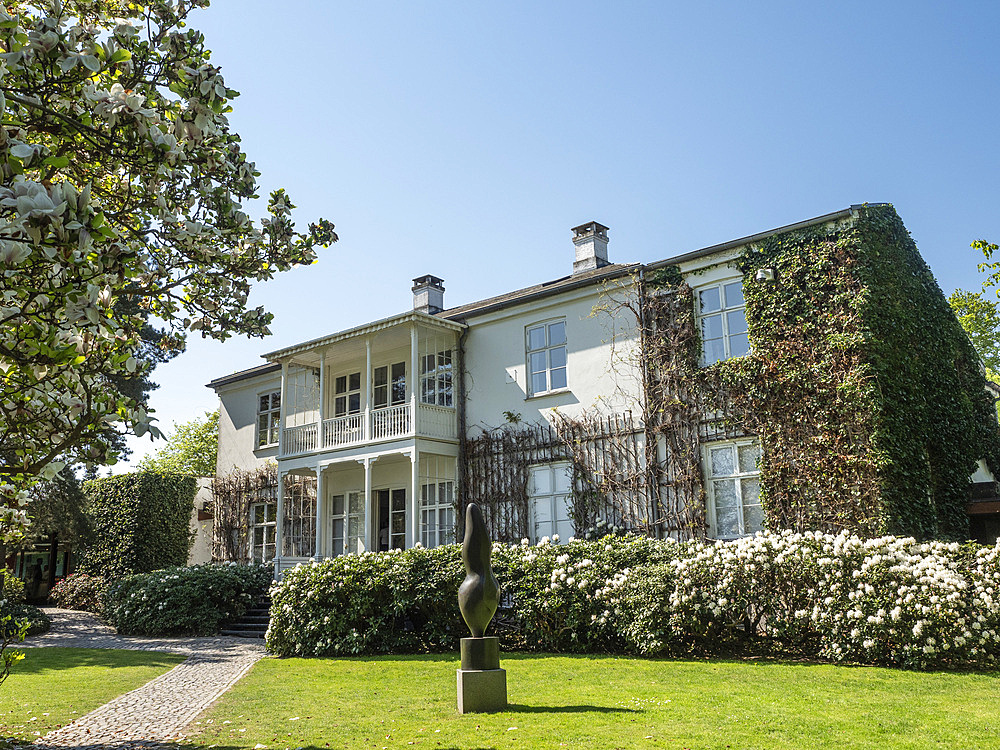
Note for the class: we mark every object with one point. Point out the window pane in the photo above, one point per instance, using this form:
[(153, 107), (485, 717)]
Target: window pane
[(446, 492), (354, 501), (427, 390), (538, 383), (715, 350), (398, 391), (737, 322), (380, 396), (709, 300), (559, 378), (734, 294), (271, 513), (541, 481), (381, 375), (354, 381), (427, 494), (262, 429), (398, 523), (753, 519), (258, 536), (739, 345), (750, 489), (340, 384), (398, 500), (537, 362), (711, 327), (444, 358), (557, 356), (749, 455), (265, 402), (536, 338), (727, 522), (354, 403), (557, 333), (722, 462), (340, 406), (276, 400), (338, 505), (725, 493)]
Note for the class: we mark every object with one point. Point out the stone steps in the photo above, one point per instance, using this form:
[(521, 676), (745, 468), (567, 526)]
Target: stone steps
[(253, 624)]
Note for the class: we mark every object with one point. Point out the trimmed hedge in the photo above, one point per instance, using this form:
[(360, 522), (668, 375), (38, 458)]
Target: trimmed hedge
[(892, 601), (140, 521), (184, 601), (80, 591)]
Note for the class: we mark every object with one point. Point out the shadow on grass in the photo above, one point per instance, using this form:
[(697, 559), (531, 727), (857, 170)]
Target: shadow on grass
[(51, 659), (520, 708)]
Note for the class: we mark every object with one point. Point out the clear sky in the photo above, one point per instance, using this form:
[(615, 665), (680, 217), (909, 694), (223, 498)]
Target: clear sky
[(466, 139)]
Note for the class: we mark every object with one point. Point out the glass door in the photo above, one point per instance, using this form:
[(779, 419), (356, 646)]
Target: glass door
[(391, 504)]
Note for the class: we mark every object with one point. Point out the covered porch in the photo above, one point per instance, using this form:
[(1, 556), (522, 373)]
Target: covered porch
[(374, 501)]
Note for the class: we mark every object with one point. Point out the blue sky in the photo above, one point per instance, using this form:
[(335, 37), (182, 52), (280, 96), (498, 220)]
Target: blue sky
[(465, 140)]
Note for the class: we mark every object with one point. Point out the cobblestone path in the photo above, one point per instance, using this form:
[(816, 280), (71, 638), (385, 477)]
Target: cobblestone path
[(158, 711)]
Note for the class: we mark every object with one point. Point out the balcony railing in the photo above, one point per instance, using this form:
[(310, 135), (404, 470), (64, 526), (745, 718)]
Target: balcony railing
[(386, 424)]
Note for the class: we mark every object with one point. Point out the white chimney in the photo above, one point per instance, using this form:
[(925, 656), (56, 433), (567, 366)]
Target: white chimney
[(428, 294), (591, 242)]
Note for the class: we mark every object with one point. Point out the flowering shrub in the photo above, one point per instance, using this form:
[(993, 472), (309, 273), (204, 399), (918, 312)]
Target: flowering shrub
[(80, 591), (11, 587), (887, 601), (184, 601)]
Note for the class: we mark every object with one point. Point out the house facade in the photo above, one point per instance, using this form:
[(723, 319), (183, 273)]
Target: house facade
[(609, 396)]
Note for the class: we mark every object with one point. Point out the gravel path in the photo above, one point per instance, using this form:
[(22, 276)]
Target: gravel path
[(156, 712)]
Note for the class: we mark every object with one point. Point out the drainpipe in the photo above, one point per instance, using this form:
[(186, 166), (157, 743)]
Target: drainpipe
[(461, 414)]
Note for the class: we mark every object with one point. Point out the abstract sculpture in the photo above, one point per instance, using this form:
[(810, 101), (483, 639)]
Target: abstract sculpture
[(482, 685)]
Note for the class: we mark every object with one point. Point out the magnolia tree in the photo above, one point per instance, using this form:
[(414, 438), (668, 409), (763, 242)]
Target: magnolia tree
[(120, 203)]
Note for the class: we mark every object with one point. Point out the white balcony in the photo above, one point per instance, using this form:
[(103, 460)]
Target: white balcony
[(391, 423)]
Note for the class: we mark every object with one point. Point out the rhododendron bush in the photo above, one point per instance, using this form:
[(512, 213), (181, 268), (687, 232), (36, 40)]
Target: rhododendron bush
[(890, 600), (121, 185)]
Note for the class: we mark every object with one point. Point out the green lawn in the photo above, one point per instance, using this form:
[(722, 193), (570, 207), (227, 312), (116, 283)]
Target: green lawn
[(604, 702), (51, 687)]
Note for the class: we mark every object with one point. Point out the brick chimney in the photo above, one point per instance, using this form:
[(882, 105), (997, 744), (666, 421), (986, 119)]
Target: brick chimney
[(428, 294), (591, 242)]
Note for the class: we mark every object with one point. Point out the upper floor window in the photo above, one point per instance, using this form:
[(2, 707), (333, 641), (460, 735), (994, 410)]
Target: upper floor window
[(436, 379), (389, 387), (723, 322), (268, 418), (347, 395), (546, 355), (734, 489)]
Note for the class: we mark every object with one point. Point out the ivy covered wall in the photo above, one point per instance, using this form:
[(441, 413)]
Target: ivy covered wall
[(866, 395)]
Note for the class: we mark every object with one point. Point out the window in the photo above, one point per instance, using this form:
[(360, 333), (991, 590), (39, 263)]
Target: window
[(734, 490), (723, 322), (347, 514), (268, 418), (263, 523), (546, 350), (391, 519), (389, 385), (347, 395), (550, 487), (436, 379), (437, 513)]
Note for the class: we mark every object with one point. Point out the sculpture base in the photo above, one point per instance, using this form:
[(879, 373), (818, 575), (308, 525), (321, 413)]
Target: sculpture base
[(481, 653), (482, 690)]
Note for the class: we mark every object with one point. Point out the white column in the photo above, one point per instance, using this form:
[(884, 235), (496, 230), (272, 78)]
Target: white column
[(321, 412), (414, 514), (414, 378), (368, 390), (281, 409), (318, 551), (279, 518), (370, 515)]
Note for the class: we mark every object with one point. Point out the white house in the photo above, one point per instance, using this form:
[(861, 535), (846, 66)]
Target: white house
[(377, 420)]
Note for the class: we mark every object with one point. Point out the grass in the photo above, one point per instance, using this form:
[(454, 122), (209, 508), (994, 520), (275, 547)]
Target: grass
[(51, 687), (606, 702)]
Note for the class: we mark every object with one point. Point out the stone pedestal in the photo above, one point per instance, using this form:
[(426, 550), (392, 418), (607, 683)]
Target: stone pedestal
[(482, 685)]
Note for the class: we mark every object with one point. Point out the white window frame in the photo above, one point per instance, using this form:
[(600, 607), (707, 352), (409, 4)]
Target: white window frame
[(548, 351), (436, 380), (394, 386), (437, 513), (738, 477), (556, 518), (269, 530), (347, 393), (273, 417), (349, 544), (723, 313)]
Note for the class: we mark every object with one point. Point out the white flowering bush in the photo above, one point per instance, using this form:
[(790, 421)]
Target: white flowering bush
[(890, 600), (184, 601)]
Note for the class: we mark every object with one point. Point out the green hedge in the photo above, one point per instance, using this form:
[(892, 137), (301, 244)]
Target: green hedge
[(184, 601), (892, 601), (140, 521), (38, 621)]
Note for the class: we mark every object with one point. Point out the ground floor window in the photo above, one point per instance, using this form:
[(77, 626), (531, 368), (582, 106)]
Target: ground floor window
[(550, 491), (263, 524), (391, 519), (437, 513), (347, 513), (733, 475)]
